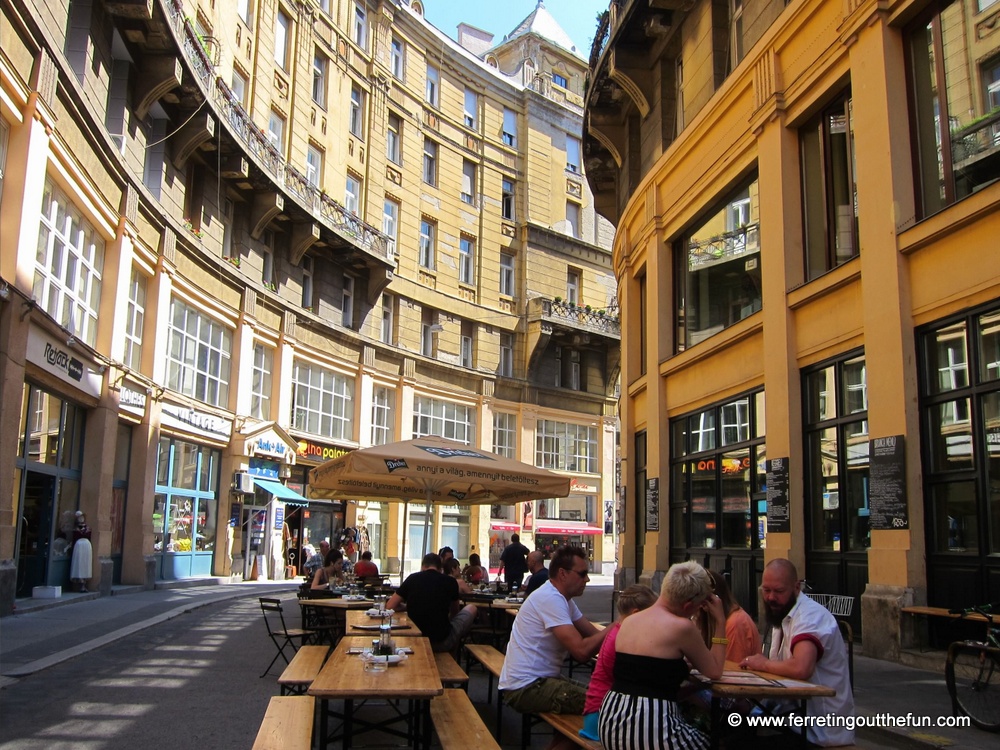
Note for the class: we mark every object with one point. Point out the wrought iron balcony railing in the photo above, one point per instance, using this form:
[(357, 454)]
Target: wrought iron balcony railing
[(585, 317), (724, 247)]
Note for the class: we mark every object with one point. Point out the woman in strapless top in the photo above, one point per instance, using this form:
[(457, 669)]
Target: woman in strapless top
[(652, 654)]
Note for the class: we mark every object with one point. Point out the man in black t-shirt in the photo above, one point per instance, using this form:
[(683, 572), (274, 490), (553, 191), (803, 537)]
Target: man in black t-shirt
[(512, 562), (539, 573), (431, 599)]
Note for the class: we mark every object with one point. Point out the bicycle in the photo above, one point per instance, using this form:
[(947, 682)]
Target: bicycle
[(972, 671)]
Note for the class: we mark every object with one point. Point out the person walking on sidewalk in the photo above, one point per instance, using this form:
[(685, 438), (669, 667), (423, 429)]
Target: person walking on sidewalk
[(512, 563)]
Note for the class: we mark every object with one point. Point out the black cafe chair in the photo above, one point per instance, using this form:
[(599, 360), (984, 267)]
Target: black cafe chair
[(281, 635)]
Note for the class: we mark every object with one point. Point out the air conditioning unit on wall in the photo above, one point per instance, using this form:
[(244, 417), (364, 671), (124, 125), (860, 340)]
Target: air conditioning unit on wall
[(243, 483)]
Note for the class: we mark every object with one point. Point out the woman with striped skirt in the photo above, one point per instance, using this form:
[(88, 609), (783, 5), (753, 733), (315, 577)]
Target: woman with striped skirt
[(653, 649)]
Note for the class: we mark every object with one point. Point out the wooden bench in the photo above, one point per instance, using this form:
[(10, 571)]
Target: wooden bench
[(450, 671), (492, 661), (287, 724), (458, 724), (302, 669), (569, 726)]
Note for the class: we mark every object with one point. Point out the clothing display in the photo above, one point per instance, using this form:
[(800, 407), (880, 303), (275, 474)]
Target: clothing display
[(81, 567)]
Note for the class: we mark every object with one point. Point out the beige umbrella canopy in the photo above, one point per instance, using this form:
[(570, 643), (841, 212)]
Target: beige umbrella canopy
[(435, 470)]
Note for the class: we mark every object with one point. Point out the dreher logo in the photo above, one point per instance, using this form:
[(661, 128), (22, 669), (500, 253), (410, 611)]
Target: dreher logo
[(454, 452), (395, 463), (457, 495)]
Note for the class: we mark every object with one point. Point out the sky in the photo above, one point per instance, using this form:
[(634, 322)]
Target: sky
[(578, 18)]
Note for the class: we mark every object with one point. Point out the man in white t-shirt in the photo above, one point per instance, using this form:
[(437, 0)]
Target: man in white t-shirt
[(549, 626), (805, 645)]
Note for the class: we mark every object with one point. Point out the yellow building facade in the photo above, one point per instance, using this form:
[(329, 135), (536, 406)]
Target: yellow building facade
[(240, 238), (806, 197)]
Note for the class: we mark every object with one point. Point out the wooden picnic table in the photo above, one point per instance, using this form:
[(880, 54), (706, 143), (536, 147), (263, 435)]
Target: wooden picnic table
[(414, 680), (737, 683), (360, 624)]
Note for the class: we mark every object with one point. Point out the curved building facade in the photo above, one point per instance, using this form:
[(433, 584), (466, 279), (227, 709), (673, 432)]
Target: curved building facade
[(807, 200)]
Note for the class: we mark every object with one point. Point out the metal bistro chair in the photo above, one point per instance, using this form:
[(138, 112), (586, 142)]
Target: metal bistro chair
[(840, 606), (283, 636)]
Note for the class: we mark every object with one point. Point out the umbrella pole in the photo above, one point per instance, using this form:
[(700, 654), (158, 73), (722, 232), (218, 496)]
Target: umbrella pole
[(406, 531), (427, 517)]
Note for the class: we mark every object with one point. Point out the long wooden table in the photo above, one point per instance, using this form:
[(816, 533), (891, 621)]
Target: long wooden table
[(745, 684), (360, 624), (343, 677)]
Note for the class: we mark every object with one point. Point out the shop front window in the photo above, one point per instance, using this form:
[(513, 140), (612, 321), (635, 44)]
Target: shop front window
[(185, 505), (717, 483)]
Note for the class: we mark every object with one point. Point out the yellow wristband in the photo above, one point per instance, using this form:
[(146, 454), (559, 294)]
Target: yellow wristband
[(720, 641)]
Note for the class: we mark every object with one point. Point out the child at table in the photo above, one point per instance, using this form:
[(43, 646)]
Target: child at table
[(633, 599)]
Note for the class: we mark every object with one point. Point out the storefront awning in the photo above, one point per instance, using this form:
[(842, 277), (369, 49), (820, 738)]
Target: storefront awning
[(280, 491), (566, 527), (504, 526)]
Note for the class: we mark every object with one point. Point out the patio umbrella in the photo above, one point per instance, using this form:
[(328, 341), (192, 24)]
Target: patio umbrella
[(436, 469)]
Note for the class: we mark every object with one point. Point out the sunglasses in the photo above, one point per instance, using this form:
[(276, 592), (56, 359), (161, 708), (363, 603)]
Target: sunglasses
[(581, 573)]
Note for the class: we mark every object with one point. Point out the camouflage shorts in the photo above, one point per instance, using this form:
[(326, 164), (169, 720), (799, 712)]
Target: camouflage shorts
[(555, 695)]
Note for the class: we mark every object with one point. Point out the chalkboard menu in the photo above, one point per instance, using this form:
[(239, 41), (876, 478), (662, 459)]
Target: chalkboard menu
[(777, 495), (653, 504), (887, 483)]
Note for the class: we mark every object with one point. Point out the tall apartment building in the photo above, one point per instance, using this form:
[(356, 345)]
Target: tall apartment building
[(806, 197), (242, 237)]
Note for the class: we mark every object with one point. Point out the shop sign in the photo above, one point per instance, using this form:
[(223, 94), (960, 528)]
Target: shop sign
[(131, 400), (181, 418), (580, 488), (314, 451), (265, 469), (268, 444), (279, 516), (53, 356)]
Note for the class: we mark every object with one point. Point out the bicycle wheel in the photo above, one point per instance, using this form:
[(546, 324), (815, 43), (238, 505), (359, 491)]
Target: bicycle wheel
[(973, 677)]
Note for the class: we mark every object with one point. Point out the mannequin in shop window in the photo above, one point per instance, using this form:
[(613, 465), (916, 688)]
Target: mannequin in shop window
[(81, 568)]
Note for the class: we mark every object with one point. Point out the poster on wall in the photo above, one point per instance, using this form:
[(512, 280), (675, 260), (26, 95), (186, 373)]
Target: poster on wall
[(777, 495), (621, 509), (887, 483), (653, 504), (528, 517), (609, 516)]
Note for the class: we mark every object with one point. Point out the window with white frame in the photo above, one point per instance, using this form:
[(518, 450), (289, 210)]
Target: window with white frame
[(428, 231), (267, 262), (260, 383), (509, 127), (467, 260), (69, 263), (506, 355), (198, 354), (239, 87), (573, 219), (243, 10), (471, 114), (388, 318), (505, 434), (466, 343), (573, 379), (566, 447), (429, 328), (390, 223), (322, 401), (432, 90), (573, 287), (347, 302), (320, 66), (735, 33), (356, 121), (394, 139), (135, 314), (383, 406), (361, 26), (314, 165), (282, 39), (308, 289), (507, 274), (573, 154), (352, 195), (276, 131), (430, 161), (445, 419), (396, 60), (468, 194), (507, 199)]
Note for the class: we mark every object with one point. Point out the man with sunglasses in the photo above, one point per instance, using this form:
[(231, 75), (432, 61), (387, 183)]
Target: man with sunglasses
[(549, 626)]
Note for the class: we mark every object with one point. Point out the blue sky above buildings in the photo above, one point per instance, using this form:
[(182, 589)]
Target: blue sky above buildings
[(578, 18)]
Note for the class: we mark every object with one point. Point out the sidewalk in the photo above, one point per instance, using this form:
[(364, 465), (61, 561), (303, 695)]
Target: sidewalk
[(47, 632)]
